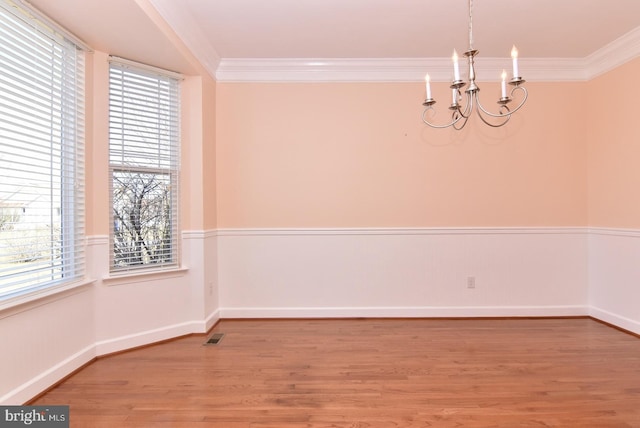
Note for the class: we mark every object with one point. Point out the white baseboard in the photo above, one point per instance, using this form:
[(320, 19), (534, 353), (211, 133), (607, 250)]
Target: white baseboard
[(30, 389), (406, 312), (148, 337), (211, 320), (615, 320), (156, 335), (46, 379)]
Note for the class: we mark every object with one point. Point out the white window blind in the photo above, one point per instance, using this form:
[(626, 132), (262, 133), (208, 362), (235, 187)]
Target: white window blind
[(41, 155), (143, 153)]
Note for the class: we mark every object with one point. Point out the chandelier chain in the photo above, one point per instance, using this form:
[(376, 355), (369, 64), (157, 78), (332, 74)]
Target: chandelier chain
[(470, 25)]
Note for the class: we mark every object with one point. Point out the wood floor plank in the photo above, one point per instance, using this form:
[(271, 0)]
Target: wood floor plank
[(368, 373)]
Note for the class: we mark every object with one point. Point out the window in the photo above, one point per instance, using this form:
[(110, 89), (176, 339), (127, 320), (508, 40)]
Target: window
[(143, 155), (41, 155)]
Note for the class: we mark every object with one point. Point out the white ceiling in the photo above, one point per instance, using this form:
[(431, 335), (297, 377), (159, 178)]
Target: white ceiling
[(340, 29)]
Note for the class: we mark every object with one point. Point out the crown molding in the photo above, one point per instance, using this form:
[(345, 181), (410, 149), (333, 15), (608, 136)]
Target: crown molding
[(328, 69), (615, 54), (388, 69)]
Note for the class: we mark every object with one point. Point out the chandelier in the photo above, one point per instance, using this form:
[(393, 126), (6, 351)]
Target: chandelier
[(459, 114)]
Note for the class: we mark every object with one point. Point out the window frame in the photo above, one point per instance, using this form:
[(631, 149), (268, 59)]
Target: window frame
[(172, 171)]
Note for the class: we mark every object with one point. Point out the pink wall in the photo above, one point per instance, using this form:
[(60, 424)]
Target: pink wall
[(358, 155), (614, 148), (192, 130), (209, 153), (97, 144)]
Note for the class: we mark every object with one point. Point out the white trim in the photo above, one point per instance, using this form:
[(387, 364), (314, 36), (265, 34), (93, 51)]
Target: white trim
[(147, 337), (211, 320), (613, 55), (199, 234), (402, 231), (407, 312), (44, 380), (144, 275), (330, 69), (552, 70), (45, 295), (388, 69), (614, 319), (629, 233)]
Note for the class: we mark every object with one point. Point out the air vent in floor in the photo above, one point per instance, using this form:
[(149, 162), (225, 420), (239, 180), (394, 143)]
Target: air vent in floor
[(214, 339)]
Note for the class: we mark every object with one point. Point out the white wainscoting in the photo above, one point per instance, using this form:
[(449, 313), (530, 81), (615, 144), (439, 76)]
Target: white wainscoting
[(46, 339), (325, 273), (614, 277), (135, 310), (402, 272)]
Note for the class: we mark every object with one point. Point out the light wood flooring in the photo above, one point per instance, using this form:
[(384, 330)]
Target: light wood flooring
[(368, 373)]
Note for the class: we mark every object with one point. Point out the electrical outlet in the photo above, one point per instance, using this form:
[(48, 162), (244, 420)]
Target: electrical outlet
[(471, 282)]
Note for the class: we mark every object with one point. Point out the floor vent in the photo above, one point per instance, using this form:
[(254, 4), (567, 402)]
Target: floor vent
[(214, 339)]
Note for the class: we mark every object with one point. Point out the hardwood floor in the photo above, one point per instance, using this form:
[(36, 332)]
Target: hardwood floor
[(368, 373)]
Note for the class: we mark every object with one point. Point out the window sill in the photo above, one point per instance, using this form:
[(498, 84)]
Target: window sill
[(116, 278), (40, 297)]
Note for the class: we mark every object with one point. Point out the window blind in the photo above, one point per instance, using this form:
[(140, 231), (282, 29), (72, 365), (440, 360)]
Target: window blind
[(144, 162), (41, 155)]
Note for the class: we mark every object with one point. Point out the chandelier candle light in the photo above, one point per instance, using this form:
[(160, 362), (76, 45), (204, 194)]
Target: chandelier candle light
[(460, 115)]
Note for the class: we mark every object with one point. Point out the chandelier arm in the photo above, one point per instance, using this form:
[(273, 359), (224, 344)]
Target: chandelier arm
[(524, 98), (468, 108), (496, 115), (459, 127), (456, 116), (467, 111), (433, 125), (509, 111), (506, 117)]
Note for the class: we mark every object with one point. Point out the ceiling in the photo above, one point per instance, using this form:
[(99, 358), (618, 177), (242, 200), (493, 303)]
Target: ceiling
[(304, 29)]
